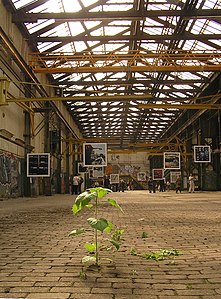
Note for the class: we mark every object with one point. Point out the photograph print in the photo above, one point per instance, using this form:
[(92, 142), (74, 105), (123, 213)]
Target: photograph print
[(81, 168), (158, 174), (98, 172), (202, 154), (114, 178), (141, 176), (171, 160), (95, 154)]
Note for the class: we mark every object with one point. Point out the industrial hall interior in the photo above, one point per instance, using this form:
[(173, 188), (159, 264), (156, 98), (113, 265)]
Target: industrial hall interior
[(109, 90)]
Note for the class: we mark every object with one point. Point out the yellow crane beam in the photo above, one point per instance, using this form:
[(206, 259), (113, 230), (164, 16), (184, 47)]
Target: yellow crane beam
[(126, 68), (178, 60), (80, 98), (156, 144), (180, 106)]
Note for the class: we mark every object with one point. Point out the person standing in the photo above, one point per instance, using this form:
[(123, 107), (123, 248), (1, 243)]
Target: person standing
[(75, 184), (178, 184), (191, 183)]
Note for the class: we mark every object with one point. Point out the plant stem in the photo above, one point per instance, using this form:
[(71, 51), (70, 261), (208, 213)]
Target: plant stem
[(96, 233)]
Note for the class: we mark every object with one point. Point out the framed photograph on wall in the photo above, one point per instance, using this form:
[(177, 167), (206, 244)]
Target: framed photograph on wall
[(171, 160), (98, 172), (158, 174), (114, 178), (82, 168), (174, 175), (141, 176), (202, 154), (38, 165), (94, 154)]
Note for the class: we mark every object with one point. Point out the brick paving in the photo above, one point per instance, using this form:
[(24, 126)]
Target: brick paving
[(40, 261)]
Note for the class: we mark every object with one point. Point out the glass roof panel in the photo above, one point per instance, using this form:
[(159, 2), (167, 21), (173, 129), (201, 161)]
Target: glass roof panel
[(136, 54)]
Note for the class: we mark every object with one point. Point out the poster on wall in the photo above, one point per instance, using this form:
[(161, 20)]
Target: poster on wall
[(174, 175), (114, 178), (158, 174), (95, 154), (38, 165), (81, 168), (141, 176), (171, 160), (202, 153), (98, 172)]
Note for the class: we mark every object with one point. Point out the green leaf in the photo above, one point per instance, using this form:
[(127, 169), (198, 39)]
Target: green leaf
[(82, 200), (99, 224), (90, 247), (115, 204), (88, 260), (134, 251), (115, 243), (77, 232), (117, 234), (109, 227), (100, 191)]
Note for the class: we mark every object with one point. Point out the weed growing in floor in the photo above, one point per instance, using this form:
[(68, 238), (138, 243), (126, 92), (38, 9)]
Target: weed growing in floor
[(158, 255), (92, 199)]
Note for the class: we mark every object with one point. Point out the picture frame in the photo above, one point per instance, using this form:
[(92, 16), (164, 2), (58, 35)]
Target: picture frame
[(174, 175), (141, 176), (202, 153), (38, 165), (158, 174), (82, 168), (94, 154), (114, 178), (98, 172), (171, 160)]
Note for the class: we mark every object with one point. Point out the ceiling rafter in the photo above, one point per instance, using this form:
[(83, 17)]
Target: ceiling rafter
[(170, 32)]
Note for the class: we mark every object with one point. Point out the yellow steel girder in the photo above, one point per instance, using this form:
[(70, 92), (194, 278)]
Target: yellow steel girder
[(126, 61), (180, 106)]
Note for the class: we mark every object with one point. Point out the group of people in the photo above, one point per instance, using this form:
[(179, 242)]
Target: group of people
[(162, 186), (153, 185), (190, 181)]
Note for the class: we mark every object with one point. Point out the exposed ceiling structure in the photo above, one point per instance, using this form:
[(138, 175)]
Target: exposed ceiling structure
[(115, 56)]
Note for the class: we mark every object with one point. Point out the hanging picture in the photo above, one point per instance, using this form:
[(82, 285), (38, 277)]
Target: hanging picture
[(114, 178), (158, 174), (171, 160), (141, 176), (82, 168), (95, 154), (98, 172), (38, 165), (174, 175), (202, 153)]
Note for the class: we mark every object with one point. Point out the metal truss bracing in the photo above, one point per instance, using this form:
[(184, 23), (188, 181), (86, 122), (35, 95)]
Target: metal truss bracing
[(124, 68)]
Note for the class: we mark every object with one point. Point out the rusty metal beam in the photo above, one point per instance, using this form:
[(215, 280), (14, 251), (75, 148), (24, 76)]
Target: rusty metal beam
[(143, 36), (117, 15), (126, 68), (84, 98), (181, 106)]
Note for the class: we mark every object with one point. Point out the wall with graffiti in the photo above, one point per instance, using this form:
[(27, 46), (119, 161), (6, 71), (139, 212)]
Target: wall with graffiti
[(10, 175)]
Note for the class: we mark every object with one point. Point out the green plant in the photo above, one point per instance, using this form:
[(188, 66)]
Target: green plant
[(158, 255), (144, 235), (91, 199)]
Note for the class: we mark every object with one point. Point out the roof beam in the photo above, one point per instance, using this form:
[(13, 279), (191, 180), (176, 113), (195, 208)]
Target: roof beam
[(117, 15), (144, 37), (181, 106), (83, 98), (133, 68)]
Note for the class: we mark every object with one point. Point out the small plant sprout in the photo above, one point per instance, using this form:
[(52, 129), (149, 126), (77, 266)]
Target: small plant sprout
[(91, 199), (158, 255)]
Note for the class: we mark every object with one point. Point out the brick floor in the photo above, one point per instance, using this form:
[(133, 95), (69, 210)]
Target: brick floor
[(38, 260)]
